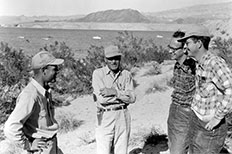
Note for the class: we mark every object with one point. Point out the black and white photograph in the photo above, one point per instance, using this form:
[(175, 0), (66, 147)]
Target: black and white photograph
[(116, 77)]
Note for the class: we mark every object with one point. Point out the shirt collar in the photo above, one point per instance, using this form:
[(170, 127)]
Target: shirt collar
[(108, 71), (40, 88)]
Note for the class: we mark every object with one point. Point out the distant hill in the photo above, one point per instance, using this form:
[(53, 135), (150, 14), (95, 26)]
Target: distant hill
[(193, 14), (217, 17), (116, 16)]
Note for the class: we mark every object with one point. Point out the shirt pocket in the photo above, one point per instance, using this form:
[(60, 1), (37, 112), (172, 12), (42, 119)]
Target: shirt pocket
[(206, 88)]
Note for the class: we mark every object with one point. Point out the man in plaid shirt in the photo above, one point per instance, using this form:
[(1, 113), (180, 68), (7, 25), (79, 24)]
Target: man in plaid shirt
[(213, 98), (183, 83)]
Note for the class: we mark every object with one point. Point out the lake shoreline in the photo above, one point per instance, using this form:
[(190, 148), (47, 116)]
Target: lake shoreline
[(107, 26)]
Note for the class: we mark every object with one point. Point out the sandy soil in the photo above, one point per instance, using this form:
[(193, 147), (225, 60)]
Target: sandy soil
[(149, 112)]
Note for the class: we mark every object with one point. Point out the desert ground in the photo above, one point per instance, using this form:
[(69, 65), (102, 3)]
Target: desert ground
[(148, 114)]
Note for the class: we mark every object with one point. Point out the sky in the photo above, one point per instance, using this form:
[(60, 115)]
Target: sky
[(84, 7)]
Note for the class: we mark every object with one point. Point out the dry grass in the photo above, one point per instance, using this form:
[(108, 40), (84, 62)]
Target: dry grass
[(156, 87), (67, 121), (87, 138), (7, 147), (154, 70)]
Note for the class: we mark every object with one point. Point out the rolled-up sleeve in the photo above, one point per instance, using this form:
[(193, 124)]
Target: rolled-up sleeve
[(13, 128)]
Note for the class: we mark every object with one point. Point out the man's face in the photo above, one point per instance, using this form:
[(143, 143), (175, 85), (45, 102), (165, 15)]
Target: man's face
[(50, 74), (192, 47), (175, 49), (113, 63)]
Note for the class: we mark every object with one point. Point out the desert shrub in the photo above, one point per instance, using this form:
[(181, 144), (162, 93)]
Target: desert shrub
[(155, 53), (76, 73), (223, 48), (14, 75), (137, 138), (75, 77), (155, 138), (223, 32), (87, 138), (156, 87), (154, 70), (145, 135), (68, 122), (137, 51), (8, 147)]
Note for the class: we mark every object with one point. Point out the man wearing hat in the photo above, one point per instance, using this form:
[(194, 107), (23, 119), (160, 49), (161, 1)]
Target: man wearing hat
[(31, 125), (213, 97), (113, 91)]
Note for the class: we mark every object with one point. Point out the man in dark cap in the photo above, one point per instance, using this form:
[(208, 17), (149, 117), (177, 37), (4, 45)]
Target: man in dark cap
[(213, 98), (113, 92)]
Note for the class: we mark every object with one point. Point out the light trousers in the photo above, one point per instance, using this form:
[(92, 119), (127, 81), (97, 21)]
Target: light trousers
[(113, 131)]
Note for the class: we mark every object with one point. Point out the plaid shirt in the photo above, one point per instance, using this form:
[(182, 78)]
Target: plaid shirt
[(213, 97), (183, 82)]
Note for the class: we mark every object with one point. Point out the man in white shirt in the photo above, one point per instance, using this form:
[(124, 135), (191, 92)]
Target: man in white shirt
[(31, 125), (113, 92)]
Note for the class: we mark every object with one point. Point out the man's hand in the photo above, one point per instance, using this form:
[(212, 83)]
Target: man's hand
[(38, 144), (107, 92), (212, 123)]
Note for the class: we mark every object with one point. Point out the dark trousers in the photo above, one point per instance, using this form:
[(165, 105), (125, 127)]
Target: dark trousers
[(205, 141), (178, 129)]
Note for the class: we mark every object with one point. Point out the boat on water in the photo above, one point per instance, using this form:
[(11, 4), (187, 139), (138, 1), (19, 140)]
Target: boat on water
[(96, 37), (159, 36), (21, 37), (45, 38)]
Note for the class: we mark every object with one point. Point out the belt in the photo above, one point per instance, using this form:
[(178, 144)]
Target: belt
[(115, 108), (182, 104)]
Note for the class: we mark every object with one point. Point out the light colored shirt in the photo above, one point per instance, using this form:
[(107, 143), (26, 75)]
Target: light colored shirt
[(122, 82), (213, 97), (33, 116)]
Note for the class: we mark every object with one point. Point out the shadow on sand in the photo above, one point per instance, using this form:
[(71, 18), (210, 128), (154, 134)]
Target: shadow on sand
[(154, 144)]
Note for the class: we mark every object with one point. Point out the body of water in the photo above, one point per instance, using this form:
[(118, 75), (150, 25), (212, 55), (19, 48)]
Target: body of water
[(31, 39)]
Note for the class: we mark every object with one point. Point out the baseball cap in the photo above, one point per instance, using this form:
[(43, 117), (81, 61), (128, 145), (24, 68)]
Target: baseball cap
[(112, 51), (44, 58), (195, 31)]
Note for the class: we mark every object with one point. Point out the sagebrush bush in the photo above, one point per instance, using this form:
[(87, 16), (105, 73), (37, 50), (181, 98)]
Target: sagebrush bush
[(75, 76), (68, 122), (137, 51), (87, 138), (14, 75), (156, 87), (154, 70), (223, 48)]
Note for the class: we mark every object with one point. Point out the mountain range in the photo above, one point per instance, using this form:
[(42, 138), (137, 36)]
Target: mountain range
[(216, 15)]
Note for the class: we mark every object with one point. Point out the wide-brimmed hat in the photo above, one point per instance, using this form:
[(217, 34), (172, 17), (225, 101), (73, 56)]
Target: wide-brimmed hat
[(112, 51), (195, 31), (44, 58)]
